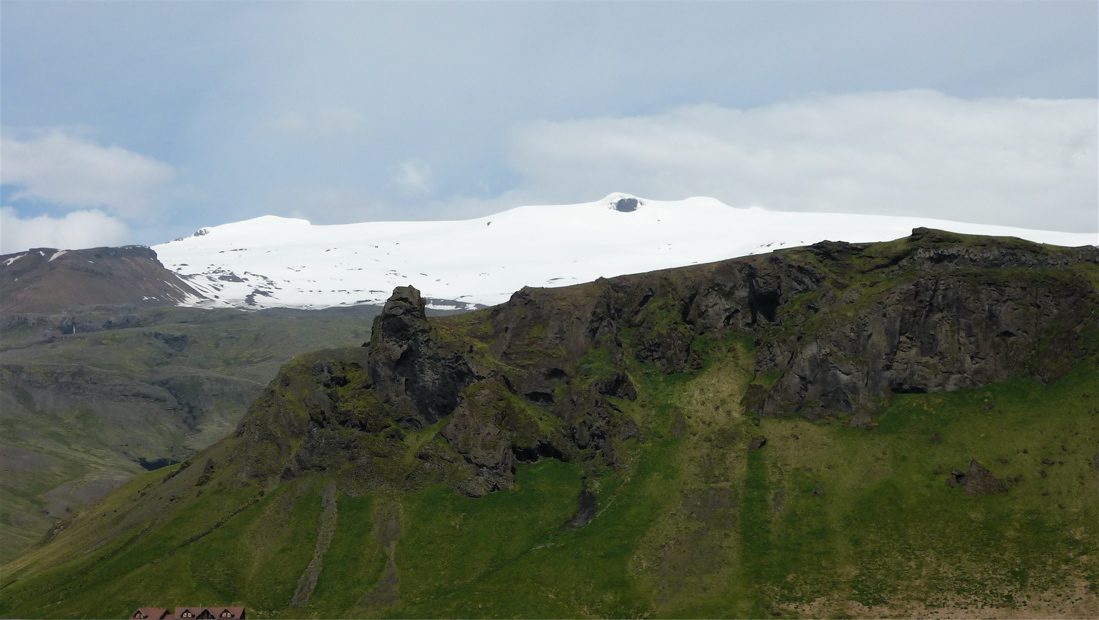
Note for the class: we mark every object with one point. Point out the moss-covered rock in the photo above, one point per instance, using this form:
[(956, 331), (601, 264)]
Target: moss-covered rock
[(838, 329)]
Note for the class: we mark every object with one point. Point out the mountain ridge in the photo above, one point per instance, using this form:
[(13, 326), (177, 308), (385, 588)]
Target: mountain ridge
[(45, 281), (716, 440), (944, 329)]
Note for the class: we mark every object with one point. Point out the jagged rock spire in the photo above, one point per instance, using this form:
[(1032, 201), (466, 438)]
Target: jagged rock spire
[(413, 372)]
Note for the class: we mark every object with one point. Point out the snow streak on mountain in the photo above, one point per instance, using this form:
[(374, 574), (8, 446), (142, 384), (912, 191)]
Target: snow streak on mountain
[(273, 261)]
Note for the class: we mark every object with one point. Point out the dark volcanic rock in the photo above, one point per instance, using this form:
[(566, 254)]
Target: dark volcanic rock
[(414, 373), (618, 385), (749, 293), (979, 481), (956, 322), (834, 329), (473, 432), (586, 510), (626, 205), (938, 333)]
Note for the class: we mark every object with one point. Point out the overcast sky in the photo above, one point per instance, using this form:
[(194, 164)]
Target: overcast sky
[(139, 122)]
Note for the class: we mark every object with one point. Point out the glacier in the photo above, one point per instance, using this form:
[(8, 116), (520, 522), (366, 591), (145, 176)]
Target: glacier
[(285, 262)]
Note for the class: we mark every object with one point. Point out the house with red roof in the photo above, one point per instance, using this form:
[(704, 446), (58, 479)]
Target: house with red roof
[(152, 613)]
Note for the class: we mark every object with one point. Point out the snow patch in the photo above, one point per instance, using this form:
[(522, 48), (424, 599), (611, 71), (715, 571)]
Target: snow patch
[(292, 263)]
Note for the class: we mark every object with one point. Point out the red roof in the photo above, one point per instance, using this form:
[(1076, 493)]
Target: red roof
[(217, 612)]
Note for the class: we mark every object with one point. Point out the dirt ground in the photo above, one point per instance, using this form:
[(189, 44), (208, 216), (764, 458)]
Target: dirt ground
[(1075, 601)]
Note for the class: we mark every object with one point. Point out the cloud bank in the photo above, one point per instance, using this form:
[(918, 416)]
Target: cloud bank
[(70, 171), (1005, 161), (1029, 163), (79, 229), (357, 111)]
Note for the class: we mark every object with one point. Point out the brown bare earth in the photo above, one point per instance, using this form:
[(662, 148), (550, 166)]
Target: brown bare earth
[(44, 280), (1071, 601)]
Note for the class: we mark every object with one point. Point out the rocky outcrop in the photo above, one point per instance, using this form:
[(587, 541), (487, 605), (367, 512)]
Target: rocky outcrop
[(936, 330), (626, 205), (474, 432), (413, 373), (349, 410), (749, 294), (978, 480), (837, 328), (845, 326)]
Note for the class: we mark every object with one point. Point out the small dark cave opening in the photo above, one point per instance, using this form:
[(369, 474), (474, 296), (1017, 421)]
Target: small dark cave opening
[(153, 464), (541, 450)]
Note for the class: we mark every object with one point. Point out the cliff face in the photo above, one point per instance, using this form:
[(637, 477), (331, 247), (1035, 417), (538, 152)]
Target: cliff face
[(412, 371), (47, 281), (836, 328)]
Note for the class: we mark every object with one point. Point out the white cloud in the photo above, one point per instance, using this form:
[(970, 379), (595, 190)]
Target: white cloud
[(67, 169), (77, 230), (1020, 162), (413, 177)]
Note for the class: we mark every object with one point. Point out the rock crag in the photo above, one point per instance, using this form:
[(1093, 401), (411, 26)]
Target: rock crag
[(837, 329)]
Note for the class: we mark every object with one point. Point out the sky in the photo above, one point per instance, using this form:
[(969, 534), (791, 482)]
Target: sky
[(140, 122)]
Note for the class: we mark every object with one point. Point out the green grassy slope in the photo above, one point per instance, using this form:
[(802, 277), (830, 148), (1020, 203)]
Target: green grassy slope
[(823, 520), (78, 411), (755, 436)]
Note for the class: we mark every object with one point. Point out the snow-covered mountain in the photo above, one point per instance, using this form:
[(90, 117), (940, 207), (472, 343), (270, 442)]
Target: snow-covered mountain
[(274, 261)]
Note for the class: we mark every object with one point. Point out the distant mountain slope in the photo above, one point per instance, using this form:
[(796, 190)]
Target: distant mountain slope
[(272, 261), (46, 280), (94, 396)]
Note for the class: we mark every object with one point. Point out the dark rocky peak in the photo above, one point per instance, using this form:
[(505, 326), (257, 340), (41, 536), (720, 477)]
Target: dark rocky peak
[(626, 205), (413, 372), (403, 317), (623, 203)]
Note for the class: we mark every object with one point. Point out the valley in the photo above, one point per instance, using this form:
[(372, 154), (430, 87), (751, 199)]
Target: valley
[(93, 396)]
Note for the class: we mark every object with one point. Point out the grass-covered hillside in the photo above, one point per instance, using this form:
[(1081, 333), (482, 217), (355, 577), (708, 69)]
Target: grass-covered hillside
[(94, 396), (891, 430)]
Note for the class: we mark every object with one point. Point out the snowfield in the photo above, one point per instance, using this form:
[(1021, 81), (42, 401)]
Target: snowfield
[(281, 262)]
